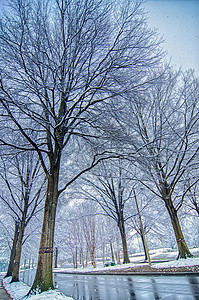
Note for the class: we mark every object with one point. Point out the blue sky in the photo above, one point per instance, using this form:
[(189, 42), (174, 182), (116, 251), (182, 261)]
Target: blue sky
[(178, 22)]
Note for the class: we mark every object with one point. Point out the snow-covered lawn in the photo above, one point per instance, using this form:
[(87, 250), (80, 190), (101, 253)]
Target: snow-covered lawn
[(162, 254), (178, 263), (170, 255), (173, 263), (156, 255), (18, 290)]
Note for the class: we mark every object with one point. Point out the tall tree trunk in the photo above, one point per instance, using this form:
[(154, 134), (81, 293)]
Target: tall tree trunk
[(86, 262), (56, 257), (15, 274), (183, 250), (146, 250), (124, 243), (143, 243), (81, 254), (92, 256), (76, 263), (13, 250), (112, 253), (44, 276), (118, 252), (103, 253)]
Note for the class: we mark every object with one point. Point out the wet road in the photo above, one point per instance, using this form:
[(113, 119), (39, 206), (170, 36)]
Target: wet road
[(3, 294), (117, 287), (91, 287)]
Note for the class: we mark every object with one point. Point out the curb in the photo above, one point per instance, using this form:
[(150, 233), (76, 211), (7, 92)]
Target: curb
[(132, 273)]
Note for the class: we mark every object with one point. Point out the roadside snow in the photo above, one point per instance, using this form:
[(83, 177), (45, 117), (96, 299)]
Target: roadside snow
[(18, 290), (178, 263), (50, 295)]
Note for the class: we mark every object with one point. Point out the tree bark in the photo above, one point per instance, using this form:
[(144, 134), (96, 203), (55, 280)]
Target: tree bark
[(112, 254), (126, 259), (15, 275), (44, 276), (196, 207), (86, 262), (81, 256), (92, 256), (13, 250), (74, 265), (146, 250), (103, 253), (76, 262), (143, 243), (56, 257), (183, 250), (118, 253)]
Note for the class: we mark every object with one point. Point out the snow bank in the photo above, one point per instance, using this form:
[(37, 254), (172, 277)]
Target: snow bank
[(50, 295), (16, 290), (19, 290)]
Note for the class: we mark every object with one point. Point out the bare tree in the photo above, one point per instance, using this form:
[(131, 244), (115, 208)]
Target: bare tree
[(23, 196), (89, 224), (72, 240), (162, 125), (192, 195), (60, 60), (13, 250), (112, 190), (142, 228), (80, 233)]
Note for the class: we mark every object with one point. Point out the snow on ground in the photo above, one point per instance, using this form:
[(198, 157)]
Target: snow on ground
[(178, 263), (163, 254), (99, 267), (173, 263), (156, 255), (18, 290)]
